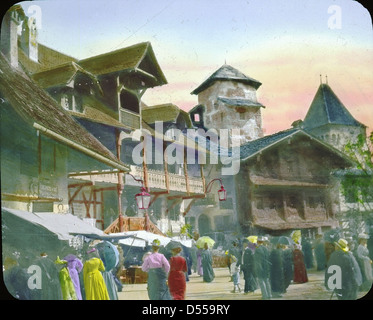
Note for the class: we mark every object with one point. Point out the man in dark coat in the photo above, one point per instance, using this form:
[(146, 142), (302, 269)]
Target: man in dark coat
[(277, 274), (247, 266), (308, 253), (342, 275), (319, 250), (262, 268), (288, 266)]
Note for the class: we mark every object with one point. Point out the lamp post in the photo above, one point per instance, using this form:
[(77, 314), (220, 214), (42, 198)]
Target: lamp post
[(143, 200), (222, 193)]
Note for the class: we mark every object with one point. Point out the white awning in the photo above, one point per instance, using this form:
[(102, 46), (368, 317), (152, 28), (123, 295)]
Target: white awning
[(64, 225)]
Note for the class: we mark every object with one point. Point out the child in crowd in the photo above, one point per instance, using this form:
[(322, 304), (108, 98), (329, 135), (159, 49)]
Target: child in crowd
[(235, 269)]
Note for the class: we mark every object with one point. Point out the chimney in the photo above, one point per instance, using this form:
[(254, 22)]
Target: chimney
[(9, 34)]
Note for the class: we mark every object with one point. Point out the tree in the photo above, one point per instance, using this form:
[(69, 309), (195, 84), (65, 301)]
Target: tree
[(357, 183)]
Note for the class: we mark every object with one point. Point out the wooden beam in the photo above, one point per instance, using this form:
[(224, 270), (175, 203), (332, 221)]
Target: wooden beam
[(197, 196), (176, 202), (156, 195), (84, 184), (26, 198), (188, 207), (186, 173), (80, 187)]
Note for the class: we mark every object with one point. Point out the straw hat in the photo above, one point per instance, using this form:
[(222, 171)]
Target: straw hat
[(342, 244), (363, 236), (156, 243)]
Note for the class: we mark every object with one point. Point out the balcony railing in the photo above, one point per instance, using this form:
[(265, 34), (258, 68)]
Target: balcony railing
[(157, 180)]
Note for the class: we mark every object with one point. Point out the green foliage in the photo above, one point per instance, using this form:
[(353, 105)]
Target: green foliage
[(357, 184), (186, 230), (361, 151)]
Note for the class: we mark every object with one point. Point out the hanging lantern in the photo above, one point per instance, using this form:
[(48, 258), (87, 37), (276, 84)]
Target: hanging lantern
[(143, 199), (222, 193)]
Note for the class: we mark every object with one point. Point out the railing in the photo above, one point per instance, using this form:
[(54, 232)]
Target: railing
[(157, 180)]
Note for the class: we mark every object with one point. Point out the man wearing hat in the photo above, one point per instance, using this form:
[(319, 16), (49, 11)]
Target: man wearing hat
[(346, 283), (157, 267), (248, 266), (262, 268), (365, 262)]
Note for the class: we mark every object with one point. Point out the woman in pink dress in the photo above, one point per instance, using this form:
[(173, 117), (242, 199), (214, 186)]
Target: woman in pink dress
[(176, 276)]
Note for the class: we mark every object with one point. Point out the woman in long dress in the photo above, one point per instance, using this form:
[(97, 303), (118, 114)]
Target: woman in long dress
[(176, 277), (94, 284), (208, 271), (75, 266), (157, 267), (300, 272)]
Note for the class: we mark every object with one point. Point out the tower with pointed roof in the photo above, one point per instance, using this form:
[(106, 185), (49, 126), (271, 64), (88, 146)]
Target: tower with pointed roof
[(229, 101), (328, 119)]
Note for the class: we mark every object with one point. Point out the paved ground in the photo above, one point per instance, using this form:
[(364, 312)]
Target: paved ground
[(220, 289)]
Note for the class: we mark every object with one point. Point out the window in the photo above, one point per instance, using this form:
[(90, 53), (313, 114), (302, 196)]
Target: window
[(259, 203), (129, 101)]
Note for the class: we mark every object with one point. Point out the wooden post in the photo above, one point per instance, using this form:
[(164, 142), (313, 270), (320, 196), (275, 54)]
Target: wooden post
[(120, 182), (186, 173)]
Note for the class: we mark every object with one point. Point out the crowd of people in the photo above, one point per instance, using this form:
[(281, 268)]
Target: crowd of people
[(70, 278), (272, 266), (268, 264)]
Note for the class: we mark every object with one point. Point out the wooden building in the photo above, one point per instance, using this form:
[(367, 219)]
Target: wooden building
[(40, 145), (285, 183), (103, 94)]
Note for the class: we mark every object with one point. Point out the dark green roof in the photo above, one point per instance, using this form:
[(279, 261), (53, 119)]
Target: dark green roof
[(326, 108), (240, 102), (227, 73), (40, 110), (139, 58), (252, 147)]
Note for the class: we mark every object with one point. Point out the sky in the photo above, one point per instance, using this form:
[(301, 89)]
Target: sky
[(285, 44)]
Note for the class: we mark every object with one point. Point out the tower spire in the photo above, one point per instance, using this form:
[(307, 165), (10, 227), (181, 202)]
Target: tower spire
[(326, 78), (320, 79)]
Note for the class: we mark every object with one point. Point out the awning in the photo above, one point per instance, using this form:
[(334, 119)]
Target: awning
[(64, 225)]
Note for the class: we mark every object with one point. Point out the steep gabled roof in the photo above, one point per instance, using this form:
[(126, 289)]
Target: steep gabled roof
[(227, 73), (41, 111), (326, 108), (253, 148), (61, 75), (139, 58)]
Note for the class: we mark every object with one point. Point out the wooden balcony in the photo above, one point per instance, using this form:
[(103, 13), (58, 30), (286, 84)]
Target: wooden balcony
[(158, 180)]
